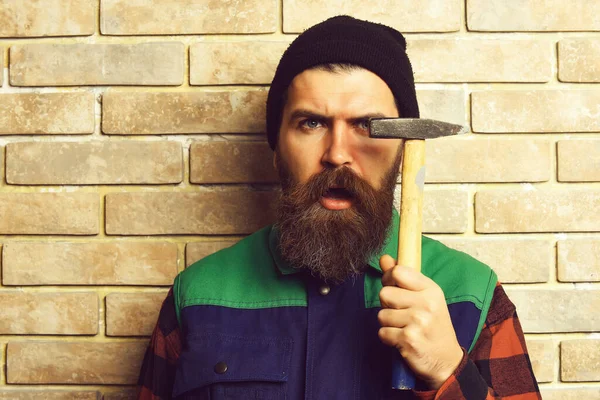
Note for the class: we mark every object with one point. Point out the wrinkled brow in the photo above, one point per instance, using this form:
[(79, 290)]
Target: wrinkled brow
[(303, 113)]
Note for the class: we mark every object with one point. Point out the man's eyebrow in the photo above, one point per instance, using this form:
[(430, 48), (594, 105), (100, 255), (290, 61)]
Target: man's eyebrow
[(369, 116), (303, 113)]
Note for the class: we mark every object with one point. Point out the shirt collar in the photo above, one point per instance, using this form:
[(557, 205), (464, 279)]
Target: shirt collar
[(390, 247)]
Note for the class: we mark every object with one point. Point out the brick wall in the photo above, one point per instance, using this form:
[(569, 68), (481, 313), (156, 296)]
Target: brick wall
[(131, 145)]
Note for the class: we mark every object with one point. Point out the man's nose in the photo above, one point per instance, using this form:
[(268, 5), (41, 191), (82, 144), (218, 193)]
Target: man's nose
[(338, 149)]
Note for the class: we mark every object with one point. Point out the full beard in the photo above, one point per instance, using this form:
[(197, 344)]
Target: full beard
[(334, 245)]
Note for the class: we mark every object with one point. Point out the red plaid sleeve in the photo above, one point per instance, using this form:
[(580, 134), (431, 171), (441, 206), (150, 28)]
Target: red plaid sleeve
[(158, 368), (498, 367)]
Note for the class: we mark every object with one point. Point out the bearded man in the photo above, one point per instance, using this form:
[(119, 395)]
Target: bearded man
[(314, 306)]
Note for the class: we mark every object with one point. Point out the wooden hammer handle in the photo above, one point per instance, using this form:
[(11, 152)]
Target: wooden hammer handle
[(411, 204), (409, 237)]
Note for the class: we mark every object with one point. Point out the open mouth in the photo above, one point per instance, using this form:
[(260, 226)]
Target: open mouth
[(338, 193), (337, 198)]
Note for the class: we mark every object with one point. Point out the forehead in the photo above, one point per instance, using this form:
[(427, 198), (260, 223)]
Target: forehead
[(354, 91)]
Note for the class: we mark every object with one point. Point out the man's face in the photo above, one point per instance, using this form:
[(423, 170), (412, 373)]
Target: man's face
[(337, 183), (324, 125)]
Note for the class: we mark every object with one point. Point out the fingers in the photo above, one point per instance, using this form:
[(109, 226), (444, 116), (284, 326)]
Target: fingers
[(386, 262), (400, 338), (390, 336), (401, 329), (393, 318), (397, 298), (405, 277)]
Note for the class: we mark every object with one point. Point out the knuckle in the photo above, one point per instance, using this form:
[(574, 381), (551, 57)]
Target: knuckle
[(383, 296), (429, 305), (397, 274), (411, 336), (421, 318), (384, 335), (386, 296)]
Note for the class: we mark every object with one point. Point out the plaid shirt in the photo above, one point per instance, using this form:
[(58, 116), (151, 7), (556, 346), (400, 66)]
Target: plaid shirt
[(498, 367)]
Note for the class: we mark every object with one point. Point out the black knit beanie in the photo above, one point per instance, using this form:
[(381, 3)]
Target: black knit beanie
[(343, 39)]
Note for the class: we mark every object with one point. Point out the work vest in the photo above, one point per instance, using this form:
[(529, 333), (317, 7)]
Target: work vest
[(253, 327)]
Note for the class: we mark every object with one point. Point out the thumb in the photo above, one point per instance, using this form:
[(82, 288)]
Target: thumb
[(386, 262)]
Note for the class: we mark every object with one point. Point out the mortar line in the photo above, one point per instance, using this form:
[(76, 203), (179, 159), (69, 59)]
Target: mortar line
[(4, 361), (464, 28), (98, 38), (98, 14), (280, 20), (553, 273), (555, 63), (187, 67)]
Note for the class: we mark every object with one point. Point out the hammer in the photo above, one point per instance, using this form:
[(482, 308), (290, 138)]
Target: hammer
[(414, 131)]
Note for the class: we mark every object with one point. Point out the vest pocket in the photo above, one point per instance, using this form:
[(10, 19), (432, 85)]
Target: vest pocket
[(219, 366)]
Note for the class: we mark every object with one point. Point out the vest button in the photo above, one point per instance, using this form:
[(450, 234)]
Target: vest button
[(324, 290), (220, 367)]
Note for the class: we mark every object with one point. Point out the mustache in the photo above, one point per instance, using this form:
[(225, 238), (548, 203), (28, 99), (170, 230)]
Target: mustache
[(341, 178)]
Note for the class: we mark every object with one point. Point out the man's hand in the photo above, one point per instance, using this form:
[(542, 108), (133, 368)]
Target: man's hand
[(414, 319)]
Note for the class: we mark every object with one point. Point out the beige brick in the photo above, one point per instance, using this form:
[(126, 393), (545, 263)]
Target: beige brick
[(410, 16), (198, 250), (47, 18), (97, 64), (2, 357), (579, 60), (116, 162), (140, 113), (156, 17), (231, 162), (579, 160), (127, 394), (570, 393), (559, 310), (28, 394), (47, 113), (208, 213), (537, 211), (536, 111), (222, 63), (132, 314), (116, 263), (469, 159), (533, 15), (541, 354), (48, 313), (49, 213), (504, 60), (74, 362), (514, 260), (444, 211), (2, 51), (580, 360), (579, 260), (443, 105)]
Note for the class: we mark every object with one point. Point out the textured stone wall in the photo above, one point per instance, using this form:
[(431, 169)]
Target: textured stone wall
[(131, 145)]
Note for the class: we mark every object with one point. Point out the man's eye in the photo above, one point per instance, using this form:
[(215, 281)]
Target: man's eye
[(310, 123), (363, 124)]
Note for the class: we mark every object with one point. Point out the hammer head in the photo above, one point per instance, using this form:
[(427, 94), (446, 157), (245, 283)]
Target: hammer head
[(411, 128)]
